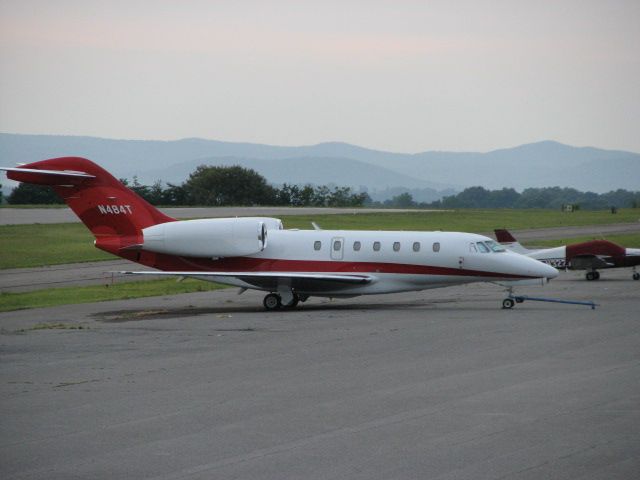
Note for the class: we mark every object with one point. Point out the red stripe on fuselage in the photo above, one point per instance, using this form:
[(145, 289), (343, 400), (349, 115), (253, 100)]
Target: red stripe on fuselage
[(251, 264)]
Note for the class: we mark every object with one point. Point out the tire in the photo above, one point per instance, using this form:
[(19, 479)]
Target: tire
[(272, 302), (596, 275), (508, 303), (636, 276), (294, 302), (590, 276)]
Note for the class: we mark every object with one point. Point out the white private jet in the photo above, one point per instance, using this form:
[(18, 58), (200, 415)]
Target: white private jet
[(257, 253)]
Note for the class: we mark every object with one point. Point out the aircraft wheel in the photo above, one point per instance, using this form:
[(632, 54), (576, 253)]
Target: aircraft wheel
[(272, 302), (294, 302), (591, 276), (596, 275), (508, 303), (636, 276)]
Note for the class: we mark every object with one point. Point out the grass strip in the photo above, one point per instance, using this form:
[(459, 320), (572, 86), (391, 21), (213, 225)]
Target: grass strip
[(52, 297), (467, 220), (36, 245)]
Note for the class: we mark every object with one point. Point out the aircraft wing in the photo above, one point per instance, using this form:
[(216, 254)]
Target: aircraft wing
[(297, 280)]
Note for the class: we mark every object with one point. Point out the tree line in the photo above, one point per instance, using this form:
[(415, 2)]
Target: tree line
[(548, 198), (235, 185), (215, 186)]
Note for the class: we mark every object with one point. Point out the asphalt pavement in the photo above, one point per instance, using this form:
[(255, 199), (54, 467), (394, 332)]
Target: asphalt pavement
[(441, 384), (26, 216)]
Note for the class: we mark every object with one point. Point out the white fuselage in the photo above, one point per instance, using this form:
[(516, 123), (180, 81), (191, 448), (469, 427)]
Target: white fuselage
[(398, 260)]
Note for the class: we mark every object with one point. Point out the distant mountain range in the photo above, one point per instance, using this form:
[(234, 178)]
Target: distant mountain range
[(427, 175)]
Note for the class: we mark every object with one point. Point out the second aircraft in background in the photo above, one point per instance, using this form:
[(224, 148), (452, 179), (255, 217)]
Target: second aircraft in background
[(590, 256)]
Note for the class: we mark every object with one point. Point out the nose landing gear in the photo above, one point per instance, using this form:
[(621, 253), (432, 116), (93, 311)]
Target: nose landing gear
[(509, 302)]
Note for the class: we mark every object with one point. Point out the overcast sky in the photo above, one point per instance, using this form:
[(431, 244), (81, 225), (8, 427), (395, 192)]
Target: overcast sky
[(405, 76)]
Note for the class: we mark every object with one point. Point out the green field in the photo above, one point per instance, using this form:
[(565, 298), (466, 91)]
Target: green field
[(476, 221), (36, 245), (40, 244), (99, 293)]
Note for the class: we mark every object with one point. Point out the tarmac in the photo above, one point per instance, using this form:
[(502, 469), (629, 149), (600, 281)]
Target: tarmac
[(25, 216), (441, 384)]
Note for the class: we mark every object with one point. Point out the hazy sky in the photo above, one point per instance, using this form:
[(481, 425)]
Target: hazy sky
[(397, 75)]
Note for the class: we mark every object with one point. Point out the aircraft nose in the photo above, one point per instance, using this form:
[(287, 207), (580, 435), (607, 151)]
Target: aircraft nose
[(551, 271), (543, 270), (529, 267)]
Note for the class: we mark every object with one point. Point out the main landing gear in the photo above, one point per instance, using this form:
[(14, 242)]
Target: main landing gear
[(593, 275), (273, 301)]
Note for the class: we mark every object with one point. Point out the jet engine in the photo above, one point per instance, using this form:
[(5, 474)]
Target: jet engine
[(210, 237)]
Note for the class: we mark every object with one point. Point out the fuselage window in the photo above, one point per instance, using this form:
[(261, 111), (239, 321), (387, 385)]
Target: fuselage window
[(416, 246), (472, 248), (396, 246), (337, 245), (436, 247), (496, 247), (356, 246), (482, 247), (317, 245), (376, 246)]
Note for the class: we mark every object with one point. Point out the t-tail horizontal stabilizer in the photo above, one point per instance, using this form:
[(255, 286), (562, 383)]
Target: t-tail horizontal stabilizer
[(505, 238)]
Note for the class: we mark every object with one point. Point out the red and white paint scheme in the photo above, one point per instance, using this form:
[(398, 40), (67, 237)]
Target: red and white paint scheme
[(258, 253), (590, 256)]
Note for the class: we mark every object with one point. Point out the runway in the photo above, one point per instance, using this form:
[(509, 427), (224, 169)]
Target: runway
[(440, 384), (26, 216)]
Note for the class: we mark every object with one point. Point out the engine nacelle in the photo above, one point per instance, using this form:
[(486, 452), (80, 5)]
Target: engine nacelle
[(210, 237)]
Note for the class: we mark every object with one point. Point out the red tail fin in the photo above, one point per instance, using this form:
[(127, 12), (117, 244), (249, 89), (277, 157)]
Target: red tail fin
[(114, 214), (504, 236)]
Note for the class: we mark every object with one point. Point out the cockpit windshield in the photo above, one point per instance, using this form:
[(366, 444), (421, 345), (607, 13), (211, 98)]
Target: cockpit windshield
[(495, 247), (482, 248)]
